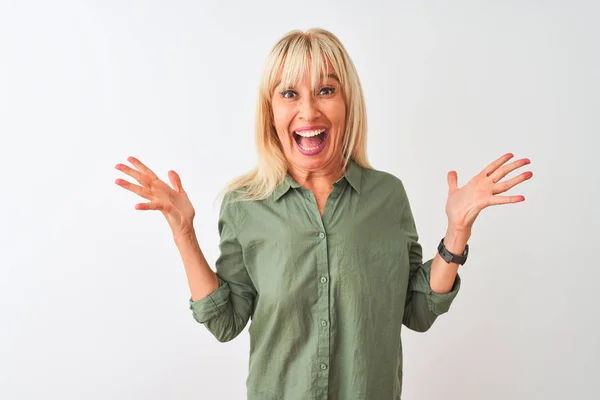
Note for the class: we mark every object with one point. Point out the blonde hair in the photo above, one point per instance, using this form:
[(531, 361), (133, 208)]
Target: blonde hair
[(290, 57)]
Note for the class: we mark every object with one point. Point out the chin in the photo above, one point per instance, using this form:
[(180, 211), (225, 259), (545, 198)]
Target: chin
[(315, 162)]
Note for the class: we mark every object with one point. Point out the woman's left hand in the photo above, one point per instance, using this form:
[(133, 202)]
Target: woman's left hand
[(465, 204)]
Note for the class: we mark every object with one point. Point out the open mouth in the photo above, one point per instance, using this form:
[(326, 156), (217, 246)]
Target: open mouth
[(311, 142)]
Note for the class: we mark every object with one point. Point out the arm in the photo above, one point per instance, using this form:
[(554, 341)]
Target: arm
[(443, 274), (423, 304), (226, 309), (201, 279)]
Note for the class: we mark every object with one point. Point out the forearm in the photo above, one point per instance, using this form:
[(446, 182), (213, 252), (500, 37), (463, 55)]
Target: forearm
[(443, 274), (201, 278)]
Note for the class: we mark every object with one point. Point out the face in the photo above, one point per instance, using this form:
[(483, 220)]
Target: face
[(310, 124)]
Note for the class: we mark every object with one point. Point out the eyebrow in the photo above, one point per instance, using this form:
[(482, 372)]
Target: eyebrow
[(332, 76)]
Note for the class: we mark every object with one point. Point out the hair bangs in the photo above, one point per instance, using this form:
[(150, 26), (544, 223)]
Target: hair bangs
[(296, 57)]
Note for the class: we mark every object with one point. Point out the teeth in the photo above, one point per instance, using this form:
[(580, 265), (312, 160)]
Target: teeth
[(310, 133), (307, 149)]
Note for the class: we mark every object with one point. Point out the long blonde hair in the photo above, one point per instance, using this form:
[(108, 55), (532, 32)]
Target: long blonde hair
[(290, 57)]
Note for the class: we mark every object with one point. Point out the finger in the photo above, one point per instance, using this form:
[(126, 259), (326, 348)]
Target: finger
[(504, 186), (139, 165), (496, 200), (134, 173), (487, 171), (147, 206), (175, 181), (139, 190), (505, 170), (452, 180)]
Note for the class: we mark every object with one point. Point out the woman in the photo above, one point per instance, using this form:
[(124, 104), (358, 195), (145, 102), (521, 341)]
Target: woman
[(318, 248)]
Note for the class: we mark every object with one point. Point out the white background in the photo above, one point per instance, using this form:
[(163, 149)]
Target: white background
[(93, 294)]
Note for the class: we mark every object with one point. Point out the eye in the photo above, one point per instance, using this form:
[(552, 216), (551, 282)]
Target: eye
[(328, 90), (286, 92)]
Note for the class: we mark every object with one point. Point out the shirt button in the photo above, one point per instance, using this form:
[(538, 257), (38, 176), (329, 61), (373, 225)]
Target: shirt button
[(323, 279), (323, 366), (321, 235), (324, 323)]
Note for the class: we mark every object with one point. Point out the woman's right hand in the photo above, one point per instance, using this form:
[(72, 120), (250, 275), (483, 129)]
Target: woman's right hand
[(173, 203)]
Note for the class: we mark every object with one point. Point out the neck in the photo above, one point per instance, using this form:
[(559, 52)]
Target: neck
[(317, 181)]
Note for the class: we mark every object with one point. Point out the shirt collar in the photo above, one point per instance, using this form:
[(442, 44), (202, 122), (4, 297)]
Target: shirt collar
[(353, 175)]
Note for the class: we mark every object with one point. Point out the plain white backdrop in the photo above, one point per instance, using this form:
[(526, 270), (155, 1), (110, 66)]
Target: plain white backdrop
[(93, 294)]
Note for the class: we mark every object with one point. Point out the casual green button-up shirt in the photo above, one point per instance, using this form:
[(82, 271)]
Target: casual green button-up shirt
[(327, 295)]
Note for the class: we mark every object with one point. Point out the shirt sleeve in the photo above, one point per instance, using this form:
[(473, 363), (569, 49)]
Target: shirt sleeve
[(423, 305), (226, 311)]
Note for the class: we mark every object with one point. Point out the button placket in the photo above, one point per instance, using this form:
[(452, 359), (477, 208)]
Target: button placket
[(323, 303), (322, 312)]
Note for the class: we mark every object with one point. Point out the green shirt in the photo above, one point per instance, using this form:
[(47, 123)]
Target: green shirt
[(327, 295)]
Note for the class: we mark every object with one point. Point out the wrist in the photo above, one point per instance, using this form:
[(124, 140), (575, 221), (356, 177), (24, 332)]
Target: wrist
[(185, 235), (456, 240)]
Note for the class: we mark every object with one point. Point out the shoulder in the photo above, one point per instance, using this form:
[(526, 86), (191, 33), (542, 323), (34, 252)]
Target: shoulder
[(231, 197), (230, 205), (236, 208), (382, 182)]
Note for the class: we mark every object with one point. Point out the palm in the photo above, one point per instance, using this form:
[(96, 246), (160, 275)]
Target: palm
[(464, 204), (173, 203)]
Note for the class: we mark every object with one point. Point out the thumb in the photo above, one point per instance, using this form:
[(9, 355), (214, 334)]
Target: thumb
[(452, 181), (175, 181)]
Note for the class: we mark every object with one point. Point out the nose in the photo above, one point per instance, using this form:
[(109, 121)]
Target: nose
[(309, 109)]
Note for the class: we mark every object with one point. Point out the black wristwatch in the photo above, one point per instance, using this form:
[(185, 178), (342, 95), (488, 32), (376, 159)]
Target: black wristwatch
[(450, 257)]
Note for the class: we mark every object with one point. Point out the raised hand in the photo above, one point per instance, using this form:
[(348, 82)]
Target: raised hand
[(173, 203), (465, 204)]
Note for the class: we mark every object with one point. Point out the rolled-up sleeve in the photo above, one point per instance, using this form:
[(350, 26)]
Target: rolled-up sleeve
[(226, 311), (423, 305)]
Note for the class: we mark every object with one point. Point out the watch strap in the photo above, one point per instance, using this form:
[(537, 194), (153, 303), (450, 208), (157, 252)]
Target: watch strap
[(451, 257)]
